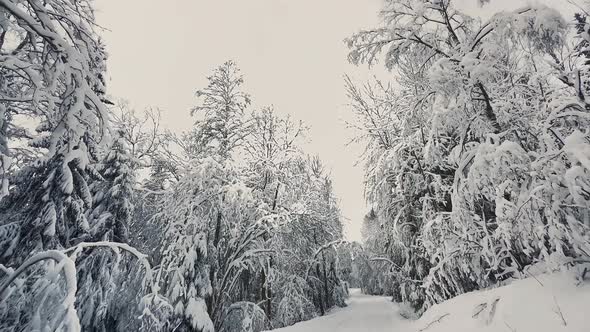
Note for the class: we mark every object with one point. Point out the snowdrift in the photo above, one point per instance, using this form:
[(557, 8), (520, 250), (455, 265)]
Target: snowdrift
[(545, 303)]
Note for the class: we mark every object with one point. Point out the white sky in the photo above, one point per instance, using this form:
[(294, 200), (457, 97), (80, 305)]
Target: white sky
[(291, 53)]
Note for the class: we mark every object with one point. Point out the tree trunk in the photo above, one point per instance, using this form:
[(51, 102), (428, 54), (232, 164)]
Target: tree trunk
[(326, 295), (267, 285), (211, 301), (274, 202), (320, 297), (269, 293), (489, 112), (319, 274)]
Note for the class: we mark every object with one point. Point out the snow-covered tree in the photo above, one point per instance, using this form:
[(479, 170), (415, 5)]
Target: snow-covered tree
[(47, 297), (57, 192), (305, 244), (463, 146), (221, 123), (187, 285), (113, 198), (141, 132), (272, 144), (295, 304), (52, 71), (200, 288)]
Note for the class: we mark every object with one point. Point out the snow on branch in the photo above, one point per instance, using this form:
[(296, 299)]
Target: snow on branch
[(116, 247), (332, 244), (66, 265)]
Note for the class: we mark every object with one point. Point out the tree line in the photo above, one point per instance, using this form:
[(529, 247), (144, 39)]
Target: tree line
[(110, 223), (476, 152)]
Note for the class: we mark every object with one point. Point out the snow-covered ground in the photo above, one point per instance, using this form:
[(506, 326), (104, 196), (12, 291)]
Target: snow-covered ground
[(364, 313), (546, 303)]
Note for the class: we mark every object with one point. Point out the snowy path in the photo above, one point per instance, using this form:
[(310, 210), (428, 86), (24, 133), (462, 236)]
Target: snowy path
[(364, 314)]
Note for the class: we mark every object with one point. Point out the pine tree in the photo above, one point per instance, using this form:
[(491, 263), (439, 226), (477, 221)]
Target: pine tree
[(64, 93), (58, 196), (113, 198), (221, 123)]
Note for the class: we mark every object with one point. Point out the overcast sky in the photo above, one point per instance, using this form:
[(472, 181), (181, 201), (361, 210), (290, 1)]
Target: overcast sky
[(291, 53)]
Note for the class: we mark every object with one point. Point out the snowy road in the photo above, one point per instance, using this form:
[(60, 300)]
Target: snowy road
[(364, 314)]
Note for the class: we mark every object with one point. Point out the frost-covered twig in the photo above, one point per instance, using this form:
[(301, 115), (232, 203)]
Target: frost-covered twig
[(509, 327), (434, 321), (559, 312)]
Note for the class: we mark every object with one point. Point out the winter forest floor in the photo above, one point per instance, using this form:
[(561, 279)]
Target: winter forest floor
[(363, 313), (546, 303)]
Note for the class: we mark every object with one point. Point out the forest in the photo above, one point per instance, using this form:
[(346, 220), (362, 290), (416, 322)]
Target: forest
[(476, 156)]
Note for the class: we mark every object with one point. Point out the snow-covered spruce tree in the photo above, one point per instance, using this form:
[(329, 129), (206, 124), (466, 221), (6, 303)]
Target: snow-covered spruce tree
[(490, 121), (221, 123), (187, 285), (52, 66), (100, 272), (113, 198)]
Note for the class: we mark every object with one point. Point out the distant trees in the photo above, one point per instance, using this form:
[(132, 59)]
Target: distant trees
[(229, 222), (464, 145)]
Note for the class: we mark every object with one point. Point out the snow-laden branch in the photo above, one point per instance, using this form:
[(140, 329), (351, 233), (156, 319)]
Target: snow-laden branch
[(329, 245), (394, 268), (491, 24), (65, 264), (116, 247)]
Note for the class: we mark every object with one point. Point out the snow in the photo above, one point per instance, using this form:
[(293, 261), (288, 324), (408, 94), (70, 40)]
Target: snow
[(363, 313), (68, 267), (529, 305), (576, 146), (545, 303), (196, 311)]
